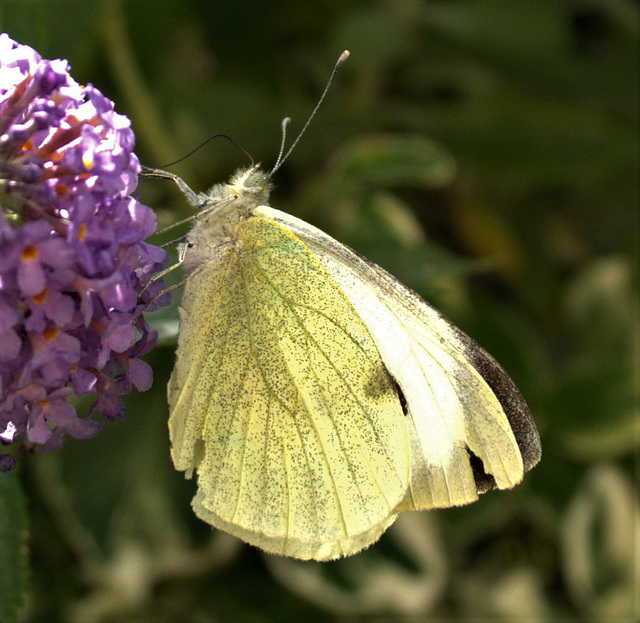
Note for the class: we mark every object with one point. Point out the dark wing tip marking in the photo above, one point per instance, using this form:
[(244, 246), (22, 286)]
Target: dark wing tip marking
[(511, 400)]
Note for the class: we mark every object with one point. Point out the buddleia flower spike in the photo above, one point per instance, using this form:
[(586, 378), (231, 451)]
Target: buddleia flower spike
[(73, 256)]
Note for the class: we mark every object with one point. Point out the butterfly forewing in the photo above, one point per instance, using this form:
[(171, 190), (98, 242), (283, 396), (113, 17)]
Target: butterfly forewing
[(469, 428)]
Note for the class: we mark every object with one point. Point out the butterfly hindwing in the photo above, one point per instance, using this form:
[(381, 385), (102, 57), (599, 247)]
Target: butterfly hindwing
[(281, 404)]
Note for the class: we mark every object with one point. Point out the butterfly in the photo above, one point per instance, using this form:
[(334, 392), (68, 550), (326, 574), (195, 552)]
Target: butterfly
[(316, 397)]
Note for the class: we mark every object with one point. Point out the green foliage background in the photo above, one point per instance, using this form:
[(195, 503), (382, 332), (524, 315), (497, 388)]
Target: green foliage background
[(487, 153)]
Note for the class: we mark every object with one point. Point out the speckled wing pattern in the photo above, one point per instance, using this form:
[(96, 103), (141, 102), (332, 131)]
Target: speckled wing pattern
[(281, 403), (470, 429)]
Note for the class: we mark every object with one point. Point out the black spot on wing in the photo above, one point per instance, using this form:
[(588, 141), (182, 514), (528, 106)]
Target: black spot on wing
[(403, 400), (380, 381), (511, 400), (484, 482)]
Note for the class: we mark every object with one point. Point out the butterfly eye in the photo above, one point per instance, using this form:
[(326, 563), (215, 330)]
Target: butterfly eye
[(257, 180)]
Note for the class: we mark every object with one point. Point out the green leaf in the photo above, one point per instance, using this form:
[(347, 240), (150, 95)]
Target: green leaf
[(542, 46), (387, 160), (13, 547)]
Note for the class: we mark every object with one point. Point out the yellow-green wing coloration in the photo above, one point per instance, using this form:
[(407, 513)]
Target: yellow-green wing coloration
[(281, 403), (469, 427)]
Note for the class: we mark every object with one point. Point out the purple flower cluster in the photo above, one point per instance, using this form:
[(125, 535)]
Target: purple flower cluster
[(73, 261)]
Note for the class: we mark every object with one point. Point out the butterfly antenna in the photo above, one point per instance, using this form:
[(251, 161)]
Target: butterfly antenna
[(285, 122), (280, 161), (220, 134)]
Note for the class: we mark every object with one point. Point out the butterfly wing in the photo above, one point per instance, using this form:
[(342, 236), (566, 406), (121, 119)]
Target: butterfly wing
[(470, 429), (281, 404)]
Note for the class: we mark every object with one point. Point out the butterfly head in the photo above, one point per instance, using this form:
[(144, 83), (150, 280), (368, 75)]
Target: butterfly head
[(246, 189), (251, 183)]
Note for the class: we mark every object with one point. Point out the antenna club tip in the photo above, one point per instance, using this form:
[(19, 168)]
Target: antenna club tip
[(281, 158)]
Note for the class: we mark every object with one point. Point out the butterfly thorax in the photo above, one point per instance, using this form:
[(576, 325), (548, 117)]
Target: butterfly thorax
[(222, 209)]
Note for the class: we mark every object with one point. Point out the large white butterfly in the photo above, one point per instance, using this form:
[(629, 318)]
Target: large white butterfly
[(315, 396)]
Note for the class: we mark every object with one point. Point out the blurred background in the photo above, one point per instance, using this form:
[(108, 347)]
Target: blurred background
[(485, 152)]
